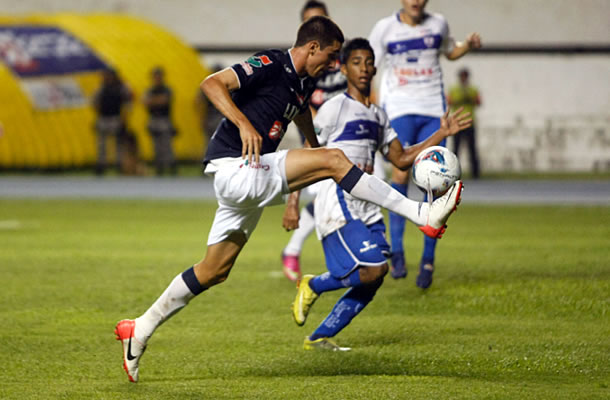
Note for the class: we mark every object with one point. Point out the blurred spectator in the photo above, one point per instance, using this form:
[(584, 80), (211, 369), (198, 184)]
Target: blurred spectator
[(131, 164), (111, 102), (158, 100), (465, 95), (332, 82), (210, 116)]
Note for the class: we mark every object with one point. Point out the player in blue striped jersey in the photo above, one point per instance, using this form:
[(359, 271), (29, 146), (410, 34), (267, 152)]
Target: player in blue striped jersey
[(352, 230)]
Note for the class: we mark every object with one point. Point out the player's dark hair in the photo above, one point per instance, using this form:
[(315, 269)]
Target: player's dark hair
[(313, 4), (319, 28), (355, 44)]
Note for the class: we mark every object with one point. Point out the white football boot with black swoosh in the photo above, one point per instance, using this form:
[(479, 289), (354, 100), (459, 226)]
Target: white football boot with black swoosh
[(132, 347)]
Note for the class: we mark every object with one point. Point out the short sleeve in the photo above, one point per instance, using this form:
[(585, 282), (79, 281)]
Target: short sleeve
[(376, 41), (447, 43), (323, 125), (388, 133), (255, 70)]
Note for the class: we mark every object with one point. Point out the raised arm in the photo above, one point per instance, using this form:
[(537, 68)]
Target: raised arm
[(217, 87), (450, 125), (473, 41)]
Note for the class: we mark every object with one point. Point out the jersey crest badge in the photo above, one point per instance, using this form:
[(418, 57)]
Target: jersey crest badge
[(276, 131), (259, 61), (429, 41)]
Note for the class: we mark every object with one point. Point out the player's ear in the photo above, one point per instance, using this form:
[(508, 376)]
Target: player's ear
[(313, 46), (343, 69), (374, 71)]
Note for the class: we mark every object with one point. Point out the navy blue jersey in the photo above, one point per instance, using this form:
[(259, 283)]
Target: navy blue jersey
[(270, 95)]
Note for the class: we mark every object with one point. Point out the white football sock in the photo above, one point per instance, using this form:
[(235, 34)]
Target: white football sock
[(174, 298), (373, 189), (306, 225)]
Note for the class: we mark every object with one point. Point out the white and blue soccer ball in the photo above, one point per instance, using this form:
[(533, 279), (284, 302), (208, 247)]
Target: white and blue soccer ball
[(435, 170)]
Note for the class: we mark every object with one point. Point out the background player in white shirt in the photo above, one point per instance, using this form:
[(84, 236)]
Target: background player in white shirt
[(352, 230), (407, 48)]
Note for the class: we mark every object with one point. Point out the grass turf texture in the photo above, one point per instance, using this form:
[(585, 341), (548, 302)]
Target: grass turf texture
[(519, 309)]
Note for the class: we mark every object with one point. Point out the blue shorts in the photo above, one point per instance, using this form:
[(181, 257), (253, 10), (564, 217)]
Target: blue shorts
[(354, 245), (412, 129)]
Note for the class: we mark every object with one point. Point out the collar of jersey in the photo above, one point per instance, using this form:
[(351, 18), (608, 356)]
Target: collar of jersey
[(296, 78)]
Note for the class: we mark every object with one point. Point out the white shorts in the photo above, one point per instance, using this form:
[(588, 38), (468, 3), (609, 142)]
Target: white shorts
[(243, 191)]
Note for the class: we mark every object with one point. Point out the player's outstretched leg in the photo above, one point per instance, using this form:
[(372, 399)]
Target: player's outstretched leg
[(292, 251), (306, 166), (431, 219)]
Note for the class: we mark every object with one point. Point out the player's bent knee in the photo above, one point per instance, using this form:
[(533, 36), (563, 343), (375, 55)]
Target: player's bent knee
[(373, 274), (335, 159)]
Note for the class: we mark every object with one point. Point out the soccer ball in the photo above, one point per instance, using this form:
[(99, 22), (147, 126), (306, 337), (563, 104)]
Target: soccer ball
[(435, 170)]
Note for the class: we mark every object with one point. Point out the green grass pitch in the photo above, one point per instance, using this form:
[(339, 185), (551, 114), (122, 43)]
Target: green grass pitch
[(519, 309)]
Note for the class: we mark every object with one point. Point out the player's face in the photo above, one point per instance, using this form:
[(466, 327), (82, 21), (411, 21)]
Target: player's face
[(313, 12), (360, 69), (414, 8), (321, 60)]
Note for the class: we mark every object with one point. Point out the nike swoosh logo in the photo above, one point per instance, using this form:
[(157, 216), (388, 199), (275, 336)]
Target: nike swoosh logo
[(130, 357)]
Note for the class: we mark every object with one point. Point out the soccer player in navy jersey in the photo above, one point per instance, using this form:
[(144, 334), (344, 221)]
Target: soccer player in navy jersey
[(352, 230), (259, 97)]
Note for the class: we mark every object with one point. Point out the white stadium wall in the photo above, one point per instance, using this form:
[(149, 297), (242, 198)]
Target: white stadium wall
[(541, 112)]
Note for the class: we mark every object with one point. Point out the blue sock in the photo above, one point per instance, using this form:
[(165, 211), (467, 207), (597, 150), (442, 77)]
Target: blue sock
[(326, 282), (397, 223), (348, 306), (429, 246), (429, 250)]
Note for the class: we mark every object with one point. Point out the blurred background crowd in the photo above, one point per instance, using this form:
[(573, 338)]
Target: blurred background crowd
[(114, 85)]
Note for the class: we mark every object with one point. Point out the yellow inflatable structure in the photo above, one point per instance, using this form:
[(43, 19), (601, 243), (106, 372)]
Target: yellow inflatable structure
[(46, 117)]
